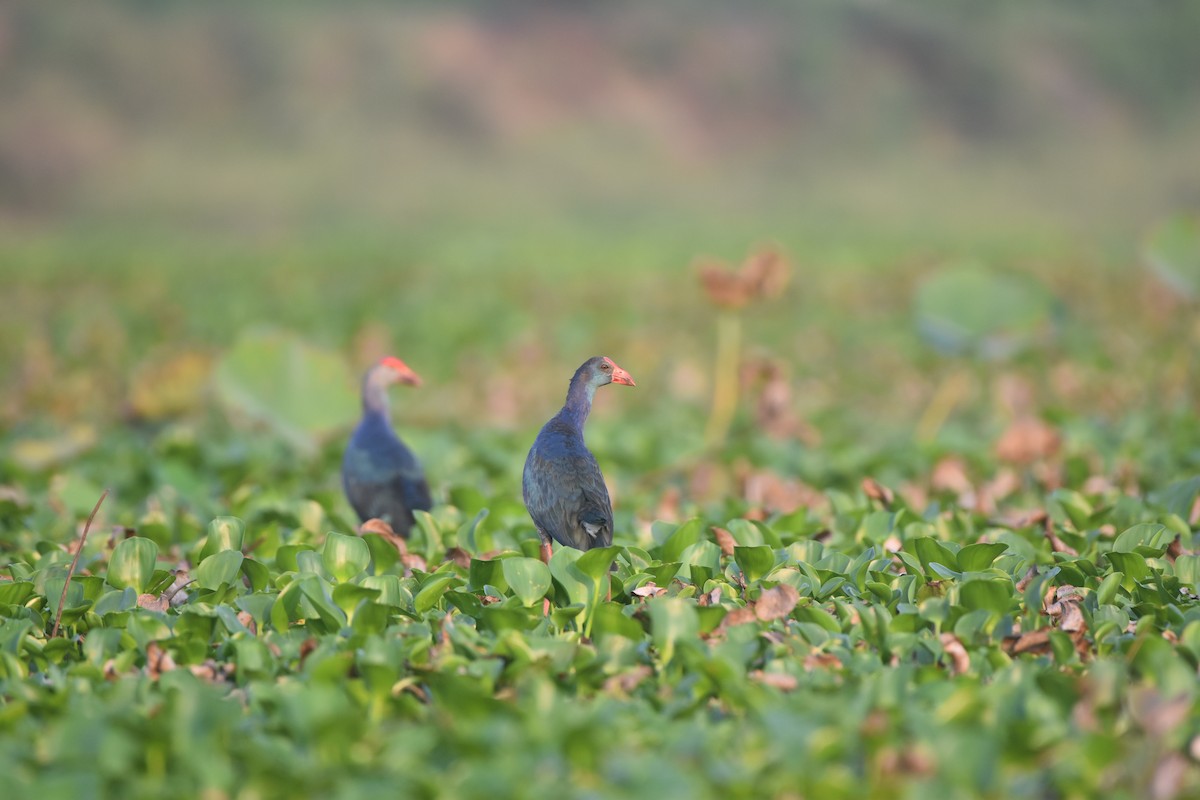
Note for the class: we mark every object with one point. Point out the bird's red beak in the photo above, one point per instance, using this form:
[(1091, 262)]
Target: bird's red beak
[(404, 373), (622, 377)]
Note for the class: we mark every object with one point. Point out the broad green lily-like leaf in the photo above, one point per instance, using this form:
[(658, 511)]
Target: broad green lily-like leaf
[(132, 563), (218, 569), (529, 578), (345, 557), (1173, 252), (303, 393), (970, 309)]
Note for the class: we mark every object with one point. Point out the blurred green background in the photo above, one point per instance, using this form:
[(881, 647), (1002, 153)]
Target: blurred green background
[(496, 191)]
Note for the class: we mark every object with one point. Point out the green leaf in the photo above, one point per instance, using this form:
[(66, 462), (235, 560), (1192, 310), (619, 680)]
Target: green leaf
[(302, 392), (672, 620), (1150, 535), (218, 569), (979, 556), (930, 551), (968, 308), (755, 562), (1106, 592), (391, 590), (684, 537), (225, 533), (345, 557), (432, 590), (1173, 251), (132, 563), (995, 596), (529, 578), (1133, 565)]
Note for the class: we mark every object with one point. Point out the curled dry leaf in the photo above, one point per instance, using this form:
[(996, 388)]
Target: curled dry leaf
[(1168, 777), (878, 492), (158, 660), (247, 620), (459, 556), (738, 616), (950, 475), (1158, 715), (777, 602), (649, 589), (1028, 440), (1033, 642), (761, 275), (1058, 545), (821, 660), (960, 662), (725, 540), (776, 680), (625, 682), (152, 602)]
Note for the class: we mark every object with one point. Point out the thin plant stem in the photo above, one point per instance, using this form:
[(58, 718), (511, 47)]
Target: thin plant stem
[(725, 378), (87, 526)]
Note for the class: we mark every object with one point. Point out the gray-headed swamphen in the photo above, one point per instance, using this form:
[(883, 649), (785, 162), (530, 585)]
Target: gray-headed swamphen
[(381, 476), (563, 488)]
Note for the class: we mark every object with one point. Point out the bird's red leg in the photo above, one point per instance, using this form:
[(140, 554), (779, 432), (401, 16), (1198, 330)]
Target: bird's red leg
[(546, 552)]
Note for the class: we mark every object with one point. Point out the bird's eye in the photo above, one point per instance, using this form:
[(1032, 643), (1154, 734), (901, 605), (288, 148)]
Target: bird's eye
[(606, 367)]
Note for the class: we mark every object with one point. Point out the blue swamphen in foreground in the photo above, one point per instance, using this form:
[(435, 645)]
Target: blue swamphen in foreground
[(562, 485), (381, 476)]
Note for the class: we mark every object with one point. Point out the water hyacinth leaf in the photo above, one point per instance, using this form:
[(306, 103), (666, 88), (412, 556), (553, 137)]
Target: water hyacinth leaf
[(219, 569), (132, 563), (595, 563), (994, 596), (225, 533), (301, 392), (755, 562), (1152, 536), (979, 556), (1172, 251), (575, 588), (1133, 565), (672, 620), (1106, 592), (529, 578), (348, 596), (345, 557), (15, 592), (930, 551), (968, 308), (391, 590), (608, 620), (432, 590), (684, 537), (486, 572)]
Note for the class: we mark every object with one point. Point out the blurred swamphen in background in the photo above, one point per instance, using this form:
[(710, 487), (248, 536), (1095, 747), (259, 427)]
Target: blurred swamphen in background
[(563, 488), (381, 476)]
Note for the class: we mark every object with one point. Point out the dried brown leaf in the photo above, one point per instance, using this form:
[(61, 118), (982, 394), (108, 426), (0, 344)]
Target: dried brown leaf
[(625, 682), (776, 680), (821, 660), (459, 556), (152, 602), (1035, 642), (878, 492), (738, 616), (1028, 440), (777, 602), (725, 540), (960, 662), (649, 589)]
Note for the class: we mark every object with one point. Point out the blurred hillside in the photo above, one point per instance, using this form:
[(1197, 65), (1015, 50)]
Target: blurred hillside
[(293, 120)]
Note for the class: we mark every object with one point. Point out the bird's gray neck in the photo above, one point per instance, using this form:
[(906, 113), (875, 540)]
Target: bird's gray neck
[(374, 394), (579, 402)]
